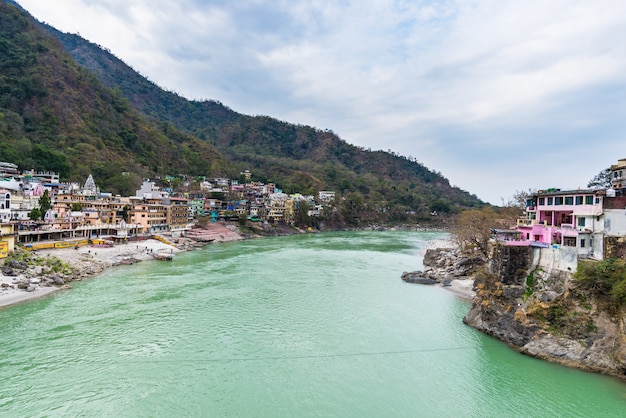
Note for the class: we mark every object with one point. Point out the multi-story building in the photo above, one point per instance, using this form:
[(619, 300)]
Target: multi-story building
[(326, 196), (7, 239), (618, 174), (151, 214), (5, 206), (177, 213), (593, 221), (556, 217), (8, 170)]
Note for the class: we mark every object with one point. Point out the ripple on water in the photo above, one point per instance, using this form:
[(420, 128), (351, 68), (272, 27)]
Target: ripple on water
[(316, 325)]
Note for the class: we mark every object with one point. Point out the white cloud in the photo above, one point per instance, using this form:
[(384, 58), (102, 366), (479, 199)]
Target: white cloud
[(465, 86)]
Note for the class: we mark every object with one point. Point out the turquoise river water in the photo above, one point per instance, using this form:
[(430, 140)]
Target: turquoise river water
[(310, 325)]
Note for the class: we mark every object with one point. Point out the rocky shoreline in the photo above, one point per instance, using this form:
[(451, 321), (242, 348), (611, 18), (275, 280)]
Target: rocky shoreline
[(534, 306), (544, 313), (446, 266)]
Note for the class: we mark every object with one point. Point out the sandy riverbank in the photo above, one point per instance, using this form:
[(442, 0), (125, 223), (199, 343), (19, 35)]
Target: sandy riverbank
[(88, 259), (461, 287)]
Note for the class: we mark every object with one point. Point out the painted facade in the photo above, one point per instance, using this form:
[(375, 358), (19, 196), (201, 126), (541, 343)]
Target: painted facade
[(580, 219)]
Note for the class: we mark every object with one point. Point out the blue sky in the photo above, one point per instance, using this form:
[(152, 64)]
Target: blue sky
[(498, 95)]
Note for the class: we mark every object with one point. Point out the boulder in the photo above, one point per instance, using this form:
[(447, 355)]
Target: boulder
[(417, 277), (8, 271), (19, 265)]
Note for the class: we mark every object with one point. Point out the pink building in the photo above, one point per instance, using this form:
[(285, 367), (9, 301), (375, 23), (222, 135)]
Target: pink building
[(561, 218)]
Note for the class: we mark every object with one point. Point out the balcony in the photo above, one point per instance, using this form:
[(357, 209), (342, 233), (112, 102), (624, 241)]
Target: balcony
[(525, 222), (530, 222)]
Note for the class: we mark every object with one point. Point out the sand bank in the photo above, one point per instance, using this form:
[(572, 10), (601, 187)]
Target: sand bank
[(88, 260)]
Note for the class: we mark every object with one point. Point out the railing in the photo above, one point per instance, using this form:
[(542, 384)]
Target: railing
[(530, 222)]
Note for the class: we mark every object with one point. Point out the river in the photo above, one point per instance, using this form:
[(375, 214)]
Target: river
[(308, 325)]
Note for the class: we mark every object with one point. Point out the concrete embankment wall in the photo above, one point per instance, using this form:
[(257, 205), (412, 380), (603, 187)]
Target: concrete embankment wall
[(512, 264), (552, 260)]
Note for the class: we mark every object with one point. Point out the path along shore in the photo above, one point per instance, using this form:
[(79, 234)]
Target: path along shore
[(90, 260)]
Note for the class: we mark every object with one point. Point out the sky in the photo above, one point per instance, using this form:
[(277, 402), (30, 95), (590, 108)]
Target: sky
[(499, 96)]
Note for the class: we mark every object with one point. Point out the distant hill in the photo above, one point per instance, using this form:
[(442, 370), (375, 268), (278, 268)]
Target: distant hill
[(103, 110)]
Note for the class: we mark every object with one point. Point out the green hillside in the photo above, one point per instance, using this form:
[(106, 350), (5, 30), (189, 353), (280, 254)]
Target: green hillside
[(70, 106), (56, 115)]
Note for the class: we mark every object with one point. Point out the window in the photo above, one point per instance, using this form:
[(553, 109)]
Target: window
[(579, 200), (581, 221), (597, 200), (558, 200), (569, 200), (542, 201), (588, 200), (550, 200), (569, 241), (582, 243)]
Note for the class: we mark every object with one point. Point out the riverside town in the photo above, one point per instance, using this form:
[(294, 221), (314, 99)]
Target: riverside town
[(38, 211)]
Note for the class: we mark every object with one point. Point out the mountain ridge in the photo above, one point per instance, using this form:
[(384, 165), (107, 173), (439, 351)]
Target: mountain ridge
[(298, 158)]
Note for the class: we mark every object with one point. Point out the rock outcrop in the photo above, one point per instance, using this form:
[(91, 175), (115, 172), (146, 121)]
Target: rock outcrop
[(441, 265), (541, 311)]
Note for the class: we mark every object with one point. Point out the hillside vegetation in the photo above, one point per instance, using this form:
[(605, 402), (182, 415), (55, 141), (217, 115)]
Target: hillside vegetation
[(56, 115), (70, 106)]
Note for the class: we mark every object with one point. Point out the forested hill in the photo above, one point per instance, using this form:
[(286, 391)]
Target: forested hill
[(151, 122), (56, 115)]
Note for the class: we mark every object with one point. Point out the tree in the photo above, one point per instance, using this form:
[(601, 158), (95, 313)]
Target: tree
[(602, 180), (473, 229), (126, 213), (518, 200), (439, 206), (44, 202), (302, 217), (515, 207), (35, 214)]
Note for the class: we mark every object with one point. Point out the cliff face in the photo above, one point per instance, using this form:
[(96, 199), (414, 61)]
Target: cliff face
[(528, 298)]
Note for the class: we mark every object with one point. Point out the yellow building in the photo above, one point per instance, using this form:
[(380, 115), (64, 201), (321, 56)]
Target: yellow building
[(7, 239)]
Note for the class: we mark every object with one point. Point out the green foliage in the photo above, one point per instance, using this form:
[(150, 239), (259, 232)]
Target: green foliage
[(302, 217), (440, 206), (530, 285), (57, 116), (298, 158), (44, 202), (605, 279), (87, 114), (562, 318), (126, 213), (35, 214)]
